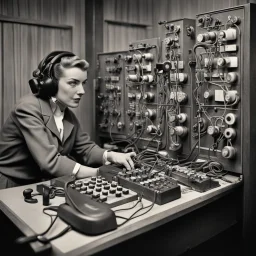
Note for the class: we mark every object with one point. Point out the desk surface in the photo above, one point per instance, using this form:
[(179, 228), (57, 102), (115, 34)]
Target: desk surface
[(30, 218)]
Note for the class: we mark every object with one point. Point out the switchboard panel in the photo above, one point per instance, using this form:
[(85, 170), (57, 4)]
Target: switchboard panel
[(143, 117), (177, 74), (111, 95), (217, 89)]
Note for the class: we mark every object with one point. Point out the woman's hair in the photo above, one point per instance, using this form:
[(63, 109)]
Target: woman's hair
[(69, 62)]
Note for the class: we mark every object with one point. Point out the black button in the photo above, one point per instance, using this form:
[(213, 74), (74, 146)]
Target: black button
[(118, 194)]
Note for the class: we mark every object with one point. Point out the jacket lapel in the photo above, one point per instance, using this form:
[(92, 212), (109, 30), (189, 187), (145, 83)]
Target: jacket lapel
[(49, 121), (49, 118), (68, 125)]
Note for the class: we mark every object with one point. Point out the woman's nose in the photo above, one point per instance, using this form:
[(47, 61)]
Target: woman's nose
[(80, 90)]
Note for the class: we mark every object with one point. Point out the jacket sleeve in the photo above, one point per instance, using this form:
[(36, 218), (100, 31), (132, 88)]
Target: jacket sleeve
[(29, 119), (86, 151)]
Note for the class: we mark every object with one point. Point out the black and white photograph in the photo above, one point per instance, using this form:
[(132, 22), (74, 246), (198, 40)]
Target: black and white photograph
[(127, 127)]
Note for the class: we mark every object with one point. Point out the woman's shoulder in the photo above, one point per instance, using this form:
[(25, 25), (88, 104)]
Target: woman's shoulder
[(27, 100)]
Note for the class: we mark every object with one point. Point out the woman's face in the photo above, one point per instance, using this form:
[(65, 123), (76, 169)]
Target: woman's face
[(71, 84)]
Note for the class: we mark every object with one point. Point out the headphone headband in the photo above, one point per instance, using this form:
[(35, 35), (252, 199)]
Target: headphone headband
[(55, 59), (44, 84)]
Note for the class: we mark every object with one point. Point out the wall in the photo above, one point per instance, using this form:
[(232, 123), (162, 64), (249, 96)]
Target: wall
[(135, 22), (62, 12)]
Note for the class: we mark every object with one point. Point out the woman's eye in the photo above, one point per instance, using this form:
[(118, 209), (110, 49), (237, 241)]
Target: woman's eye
[(72, 83)]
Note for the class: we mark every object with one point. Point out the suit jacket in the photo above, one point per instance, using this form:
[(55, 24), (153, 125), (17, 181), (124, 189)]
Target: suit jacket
[(30, 144)]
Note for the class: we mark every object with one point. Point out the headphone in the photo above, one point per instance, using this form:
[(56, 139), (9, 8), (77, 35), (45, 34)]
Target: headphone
[(44, 84)]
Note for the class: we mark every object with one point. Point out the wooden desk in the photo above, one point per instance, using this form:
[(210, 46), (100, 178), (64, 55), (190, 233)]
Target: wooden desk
[(209, 219)]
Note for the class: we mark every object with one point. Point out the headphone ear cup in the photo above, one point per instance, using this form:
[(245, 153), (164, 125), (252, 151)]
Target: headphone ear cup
[(34, 86), (49, 88)]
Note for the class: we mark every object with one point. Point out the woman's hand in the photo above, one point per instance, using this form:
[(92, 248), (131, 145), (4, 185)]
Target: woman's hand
[(121, 158)]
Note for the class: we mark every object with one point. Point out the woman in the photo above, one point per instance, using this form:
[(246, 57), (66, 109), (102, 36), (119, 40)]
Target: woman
[(42, 137)]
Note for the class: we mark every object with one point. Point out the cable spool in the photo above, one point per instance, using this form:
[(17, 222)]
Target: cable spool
[(230, 133), (232, 77), (182, 117), (228, 152), (229, 34), (209, 36), (181, 131), (134, 78), (148, 56), (148, 78), (230, 119)]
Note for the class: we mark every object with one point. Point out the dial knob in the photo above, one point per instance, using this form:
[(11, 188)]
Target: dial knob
[(181, 131), (222, 62), (231, 96), (120, 125), (228, 152), (130, 113), (151, 114), (134, 78), (210, 36), (232, 77), (151, 129), (148, 78), (230, 133), (169, 41), (208, 94), (213, 130), (148, 56), (131, 96), (230, 118), (128, 58), (182, 117), (173, 118), (149, 96)]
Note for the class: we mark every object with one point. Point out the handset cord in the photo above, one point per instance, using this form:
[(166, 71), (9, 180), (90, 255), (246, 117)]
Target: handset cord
[(142, 208), (40, 237)]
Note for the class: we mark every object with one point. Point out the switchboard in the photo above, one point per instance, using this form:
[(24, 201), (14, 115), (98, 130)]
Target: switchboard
[(217, 89), (180, 95)]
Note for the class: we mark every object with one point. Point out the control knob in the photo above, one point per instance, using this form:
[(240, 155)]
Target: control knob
[(228, 152), (149, 96), (151, 129), (151, 114), (120, 125), (213, 130)]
